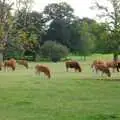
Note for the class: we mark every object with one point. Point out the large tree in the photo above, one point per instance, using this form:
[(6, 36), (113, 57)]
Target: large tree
[(5, 19), (58, 17), (56, 11), (101, 37), (112, 15), (27, 28), (81, 38), (87, 38), (34, 27), (5, 23)]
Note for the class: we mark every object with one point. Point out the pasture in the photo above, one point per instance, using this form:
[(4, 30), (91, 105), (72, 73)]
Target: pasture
[(66, 96)]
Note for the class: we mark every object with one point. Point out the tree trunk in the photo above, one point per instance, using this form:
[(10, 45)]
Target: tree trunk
[(84, 58), (115, 56)]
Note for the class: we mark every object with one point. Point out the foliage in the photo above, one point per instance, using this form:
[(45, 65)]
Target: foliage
[(5, 19), (87, 40), (27, 30), (27, 37), (59, 31), (54, 51), (59, 17), (113, 19), (81, 39), (101, 37), (60, 11)]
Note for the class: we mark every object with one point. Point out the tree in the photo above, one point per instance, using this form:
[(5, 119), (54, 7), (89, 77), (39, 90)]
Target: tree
[(59, 31), (81, 39), (28, 27), (113, 22), (23, 8), (58, 11), (101, 37), (87, 39), (5, 19), (32, 32), (5, 22), (54, 51), (58, 17), (75, 36)]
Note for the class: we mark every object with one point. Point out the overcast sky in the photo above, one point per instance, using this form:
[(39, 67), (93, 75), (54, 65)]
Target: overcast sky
[(81, 7)]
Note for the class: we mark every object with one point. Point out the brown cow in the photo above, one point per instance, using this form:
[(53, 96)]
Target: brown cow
[(24, 63), (103, 68), (73, 64), (96, 62), (10, 64), (44, 69), (111, 64)]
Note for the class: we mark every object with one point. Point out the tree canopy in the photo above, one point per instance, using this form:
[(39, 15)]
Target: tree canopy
[(26, 31)]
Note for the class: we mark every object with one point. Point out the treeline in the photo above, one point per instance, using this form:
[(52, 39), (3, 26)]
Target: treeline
[(25, 32)]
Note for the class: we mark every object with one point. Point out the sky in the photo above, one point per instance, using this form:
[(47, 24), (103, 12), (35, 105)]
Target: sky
[(81, 7)]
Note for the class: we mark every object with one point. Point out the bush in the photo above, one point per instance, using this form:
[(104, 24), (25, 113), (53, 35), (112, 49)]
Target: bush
[(12, 53), (54, 51)]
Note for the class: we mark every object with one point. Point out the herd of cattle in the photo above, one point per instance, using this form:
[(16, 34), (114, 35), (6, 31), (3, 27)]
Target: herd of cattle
[(97, 65)]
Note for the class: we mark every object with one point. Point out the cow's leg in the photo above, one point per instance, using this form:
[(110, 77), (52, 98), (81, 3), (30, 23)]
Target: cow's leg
[(117, 67)]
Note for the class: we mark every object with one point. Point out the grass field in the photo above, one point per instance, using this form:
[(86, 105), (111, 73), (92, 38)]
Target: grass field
[(67, 96)]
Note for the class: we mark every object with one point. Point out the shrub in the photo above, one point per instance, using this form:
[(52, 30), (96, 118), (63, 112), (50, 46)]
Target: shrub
[(54, 51)]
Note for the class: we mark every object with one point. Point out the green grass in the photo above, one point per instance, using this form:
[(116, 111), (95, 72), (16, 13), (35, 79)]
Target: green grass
[(67, 96)]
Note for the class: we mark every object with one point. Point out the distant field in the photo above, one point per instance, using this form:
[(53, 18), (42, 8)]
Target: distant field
[(67, 96)]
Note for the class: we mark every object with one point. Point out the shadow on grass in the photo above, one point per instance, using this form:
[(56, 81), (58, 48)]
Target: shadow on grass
[(105, 117), (102, 79), (23, 103)]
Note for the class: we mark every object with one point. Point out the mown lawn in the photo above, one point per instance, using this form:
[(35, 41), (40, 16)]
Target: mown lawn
[(67, 96)]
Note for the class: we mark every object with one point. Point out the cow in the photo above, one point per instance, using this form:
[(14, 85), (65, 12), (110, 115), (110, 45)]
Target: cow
[(96, 62), (10, 64), (111, 64), (44, 69), (24, 63), (103, 68), (73, 64)]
